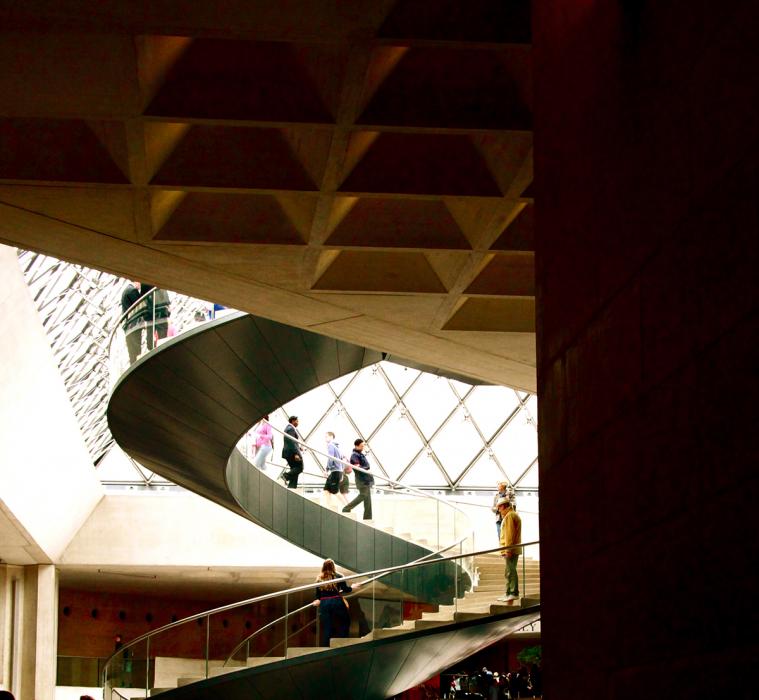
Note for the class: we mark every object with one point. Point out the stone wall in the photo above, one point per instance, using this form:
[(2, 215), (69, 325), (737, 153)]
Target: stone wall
[(646, 254)]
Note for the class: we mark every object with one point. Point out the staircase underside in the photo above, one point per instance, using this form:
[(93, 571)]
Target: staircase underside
[(181, 409), (371, 670)]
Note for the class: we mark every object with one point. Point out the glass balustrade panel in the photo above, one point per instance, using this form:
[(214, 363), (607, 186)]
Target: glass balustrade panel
[(289, 625), (126, 675), (154, 319)]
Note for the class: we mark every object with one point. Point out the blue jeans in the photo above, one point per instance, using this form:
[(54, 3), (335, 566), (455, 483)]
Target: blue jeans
[(334, 619)]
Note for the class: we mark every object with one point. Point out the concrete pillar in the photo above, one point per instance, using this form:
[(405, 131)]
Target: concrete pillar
[(28, 631), (46, 628), (11, 597)]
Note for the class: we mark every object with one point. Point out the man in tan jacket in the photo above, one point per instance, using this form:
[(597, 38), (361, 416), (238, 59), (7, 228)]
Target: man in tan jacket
[(511, 533)]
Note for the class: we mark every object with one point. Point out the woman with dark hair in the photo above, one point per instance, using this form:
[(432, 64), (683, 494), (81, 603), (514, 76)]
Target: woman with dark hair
[(333, 608), (6, 695), (264, 442)]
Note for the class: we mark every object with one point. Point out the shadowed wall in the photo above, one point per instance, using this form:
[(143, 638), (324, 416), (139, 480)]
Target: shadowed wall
[(646, 174)]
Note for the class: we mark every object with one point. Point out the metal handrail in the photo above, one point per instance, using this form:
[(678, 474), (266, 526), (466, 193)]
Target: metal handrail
[(305, 587), (125, 314), (354, 467), (301, 609), (310, 486)]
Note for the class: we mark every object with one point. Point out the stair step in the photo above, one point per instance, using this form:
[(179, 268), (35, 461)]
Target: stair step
[(337, 642), (254, 661), (386, 632), (157, 691), (428, 624), (500, 582), (300, 651), (213, 672)]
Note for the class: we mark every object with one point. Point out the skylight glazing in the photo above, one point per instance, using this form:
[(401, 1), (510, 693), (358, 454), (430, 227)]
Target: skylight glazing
[(423, 430)]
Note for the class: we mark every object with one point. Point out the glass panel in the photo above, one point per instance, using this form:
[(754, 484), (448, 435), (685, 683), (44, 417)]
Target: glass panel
[(401, 377), (529, 572), (484, 473), (532, 408), (289, 625), (368, 400), (127, 674), (517, 446), (117, 467), (430, 401), (457, 443), (179, 652), (396, 443), (313, 471), (425, 472), (490, 406), (461, 387), (341, 382), (309, 408), (530, 479)]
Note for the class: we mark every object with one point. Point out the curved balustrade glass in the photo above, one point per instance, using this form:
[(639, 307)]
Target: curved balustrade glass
[(417, 516), (285, 624), (394, 448), (154, 317)]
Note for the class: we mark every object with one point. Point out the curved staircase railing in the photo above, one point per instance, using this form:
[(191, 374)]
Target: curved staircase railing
[(165, 413), (245, 642), (441, 524), (181, 410), (207, 644), (145, 325)]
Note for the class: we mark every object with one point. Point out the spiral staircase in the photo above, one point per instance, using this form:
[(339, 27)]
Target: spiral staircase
[(180, 411)]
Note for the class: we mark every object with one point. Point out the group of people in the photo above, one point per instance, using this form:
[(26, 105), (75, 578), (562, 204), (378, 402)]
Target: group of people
[(144, 314), (509, 526), (523, 683), (338, 467)]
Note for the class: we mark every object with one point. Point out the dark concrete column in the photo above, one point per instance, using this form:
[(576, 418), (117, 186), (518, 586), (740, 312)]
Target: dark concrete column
[(646, 254)]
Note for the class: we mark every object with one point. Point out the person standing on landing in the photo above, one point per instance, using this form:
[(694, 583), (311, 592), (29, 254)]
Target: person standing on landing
[(264, 443), (292, 454), (505, 490), (363, 481), (511, 534)]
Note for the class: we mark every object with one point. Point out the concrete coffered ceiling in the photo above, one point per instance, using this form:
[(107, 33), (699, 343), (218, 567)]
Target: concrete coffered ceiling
[(361, 169)]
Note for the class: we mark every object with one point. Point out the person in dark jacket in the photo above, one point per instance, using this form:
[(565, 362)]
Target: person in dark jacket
[(363, 481), (333, 608), (157, 312), (133, 322), (292, 454)]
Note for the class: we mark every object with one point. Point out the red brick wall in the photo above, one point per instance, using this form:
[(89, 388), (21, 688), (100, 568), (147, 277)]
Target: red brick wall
[(646, 255)]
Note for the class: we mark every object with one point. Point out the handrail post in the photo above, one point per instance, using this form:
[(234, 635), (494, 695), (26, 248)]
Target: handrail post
[(208, 641), (437, 503), (456, 569), (287, 612), (147, 667)]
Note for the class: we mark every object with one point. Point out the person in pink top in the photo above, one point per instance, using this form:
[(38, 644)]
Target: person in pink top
[(264, 443)]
